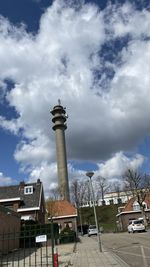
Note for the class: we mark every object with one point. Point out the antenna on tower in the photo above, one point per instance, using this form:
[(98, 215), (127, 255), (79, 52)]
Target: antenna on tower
[(59, 102)]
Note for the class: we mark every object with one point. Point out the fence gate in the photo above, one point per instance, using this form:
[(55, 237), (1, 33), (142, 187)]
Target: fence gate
[(29, 247)]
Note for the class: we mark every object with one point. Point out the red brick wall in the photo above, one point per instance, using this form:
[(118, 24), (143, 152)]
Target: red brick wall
[(124, 219), (9, 224)]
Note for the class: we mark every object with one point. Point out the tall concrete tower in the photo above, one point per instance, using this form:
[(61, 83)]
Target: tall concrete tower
[(59, 119)]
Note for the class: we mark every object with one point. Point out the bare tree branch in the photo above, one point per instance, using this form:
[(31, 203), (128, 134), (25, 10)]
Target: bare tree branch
[(139, 185), (102, 187)]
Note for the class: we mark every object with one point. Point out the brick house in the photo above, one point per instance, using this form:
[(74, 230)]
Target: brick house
[(9, 222), (25, 199), (63, 213), (132, 211)]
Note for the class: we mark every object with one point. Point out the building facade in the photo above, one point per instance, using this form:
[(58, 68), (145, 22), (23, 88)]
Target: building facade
[(132, 211), (9, 222), (25, 199), (110, 198), (63, 213)]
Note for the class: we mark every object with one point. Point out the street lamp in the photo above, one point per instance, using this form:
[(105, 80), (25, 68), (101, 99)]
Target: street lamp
[(52, 241), (80, 216), (90, 174)]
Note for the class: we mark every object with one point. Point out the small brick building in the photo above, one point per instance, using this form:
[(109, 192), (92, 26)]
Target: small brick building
[(132, 211), (10, 223), (63, 213)]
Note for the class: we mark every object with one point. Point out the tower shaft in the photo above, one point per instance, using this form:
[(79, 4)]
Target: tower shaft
[(59, 119), (62, 164)]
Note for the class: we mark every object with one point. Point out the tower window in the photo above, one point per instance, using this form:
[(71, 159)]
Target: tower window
[(28, 190)]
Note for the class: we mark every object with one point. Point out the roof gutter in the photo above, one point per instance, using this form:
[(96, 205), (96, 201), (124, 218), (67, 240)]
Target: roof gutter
[(10, 199), (61, 217), (126, 212), (28, 209)]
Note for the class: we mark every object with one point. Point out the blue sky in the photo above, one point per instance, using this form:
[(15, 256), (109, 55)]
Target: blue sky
[(95, 57)]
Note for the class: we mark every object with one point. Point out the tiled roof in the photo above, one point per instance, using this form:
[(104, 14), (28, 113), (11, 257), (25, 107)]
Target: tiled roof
[(17, 191), (60, 208), (147, 200), (129, 205)]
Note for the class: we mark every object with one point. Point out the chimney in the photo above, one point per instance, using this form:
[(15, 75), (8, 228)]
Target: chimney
[(21, 185)]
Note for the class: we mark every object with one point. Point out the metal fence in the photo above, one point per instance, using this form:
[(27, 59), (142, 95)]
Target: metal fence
[(32, 246)]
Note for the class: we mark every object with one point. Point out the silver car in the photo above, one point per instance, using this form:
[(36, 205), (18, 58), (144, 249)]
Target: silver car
[(136, 226), (92, 230)]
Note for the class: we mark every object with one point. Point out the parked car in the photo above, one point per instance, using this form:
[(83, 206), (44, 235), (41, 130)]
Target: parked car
[(136, 226), (92, 230)]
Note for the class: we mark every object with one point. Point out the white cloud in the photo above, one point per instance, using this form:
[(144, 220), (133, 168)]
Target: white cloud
[(60, 61), (118, 164), (35, 152), (124, 20), (48, 175), (12, 125), (4, 180)]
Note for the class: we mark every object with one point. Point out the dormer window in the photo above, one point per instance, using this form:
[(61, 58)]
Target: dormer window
[(136, 206), (28, 190)]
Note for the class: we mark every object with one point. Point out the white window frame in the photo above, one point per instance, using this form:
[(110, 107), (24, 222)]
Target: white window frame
[(28, 190)]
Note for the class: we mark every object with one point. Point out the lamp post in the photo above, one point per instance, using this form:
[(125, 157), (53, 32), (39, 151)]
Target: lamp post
[(80, 216), (52, 241), (90, 174)]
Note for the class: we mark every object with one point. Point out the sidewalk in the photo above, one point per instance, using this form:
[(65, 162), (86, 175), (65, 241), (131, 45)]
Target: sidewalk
[(87, 255), (65, 254)]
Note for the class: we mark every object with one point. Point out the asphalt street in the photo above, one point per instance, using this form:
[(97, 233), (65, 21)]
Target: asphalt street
[(134, 249)]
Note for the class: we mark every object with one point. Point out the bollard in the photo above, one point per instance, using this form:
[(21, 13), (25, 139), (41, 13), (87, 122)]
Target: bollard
[(55, 257)]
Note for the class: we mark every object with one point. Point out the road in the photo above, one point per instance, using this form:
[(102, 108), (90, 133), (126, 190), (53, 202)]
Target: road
[(134, 249)]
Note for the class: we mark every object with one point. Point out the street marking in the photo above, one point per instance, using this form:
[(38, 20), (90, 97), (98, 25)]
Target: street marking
[(146, 247), (144, 258), (121, 261), (129, 253)]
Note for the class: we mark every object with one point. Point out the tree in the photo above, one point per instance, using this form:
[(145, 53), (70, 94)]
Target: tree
[(139, 185), (117, 188), (78, 192), (51, 208), (146, 182), (54, 193), (102, 187), (132, 181)]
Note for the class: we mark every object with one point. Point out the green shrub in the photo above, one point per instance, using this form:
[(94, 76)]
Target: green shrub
[(67, 235)]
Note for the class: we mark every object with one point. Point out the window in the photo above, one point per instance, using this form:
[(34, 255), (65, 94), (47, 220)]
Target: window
[(136, 206), (68, 224), (28, 190), (111, 201), (119, 201)]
